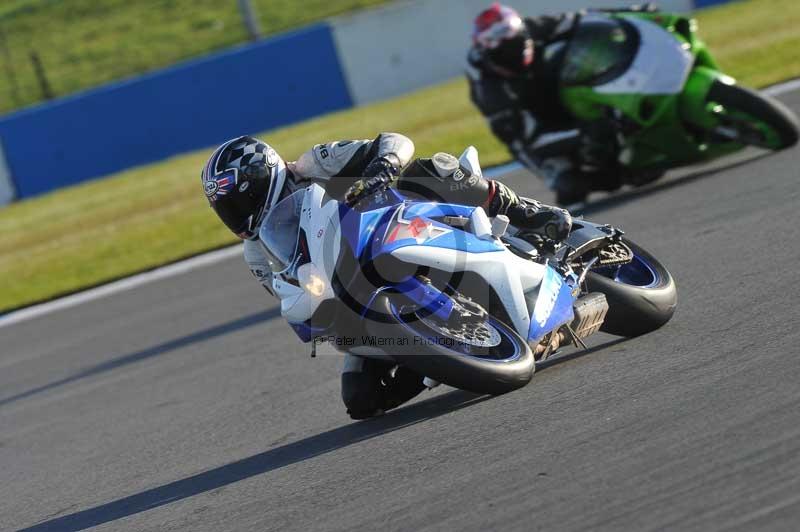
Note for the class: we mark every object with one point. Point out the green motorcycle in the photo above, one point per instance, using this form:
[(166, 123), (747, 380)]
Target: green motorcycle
[(650, 75)]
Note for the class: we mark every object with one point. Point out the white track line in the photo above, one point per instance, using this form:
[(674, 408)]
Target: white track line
[(115, 287), (222, 254), (499, 171), (782, 88)]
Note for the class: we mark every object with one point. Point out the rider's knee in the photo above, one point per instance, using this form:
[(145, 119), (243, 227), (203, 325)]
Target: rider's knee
[(369, 387), (361, 394), (442, 178)]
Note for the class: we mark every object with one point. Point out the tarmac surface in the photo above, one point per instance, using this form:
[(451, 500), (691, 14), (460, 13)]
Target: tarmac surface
[(187, 404)]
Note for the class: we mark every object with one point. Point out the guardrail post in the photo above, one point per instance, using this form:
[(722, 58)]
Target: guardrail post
[(9, 67), (47, 91), (250, 19)]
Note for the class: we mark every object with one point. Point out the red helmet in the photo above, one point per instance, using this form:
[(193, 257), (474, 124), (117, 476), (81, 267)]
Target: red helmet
[(501, 34)]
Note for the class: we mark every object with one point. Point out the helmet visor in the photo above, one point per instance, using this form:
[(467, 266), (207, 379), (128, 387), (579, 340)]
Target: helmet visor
[(238, 208), (514, 56), (280, 231)]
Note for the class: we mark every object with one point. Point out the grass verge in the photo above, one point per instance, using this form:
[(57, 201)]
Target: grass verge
[(151, 215), (84, 43)]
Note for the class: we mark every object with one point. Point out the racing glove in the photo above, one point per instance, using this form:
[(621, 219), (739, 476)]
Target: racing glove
[(378, 174)]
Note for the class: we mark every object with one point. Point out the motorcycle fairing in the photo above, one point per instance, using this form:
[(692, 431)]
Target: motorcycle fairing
[(305, 331), (508, 275), (320, 222), (359, 227), (661, 65), (554, 305), (444, 247), (419, 226)]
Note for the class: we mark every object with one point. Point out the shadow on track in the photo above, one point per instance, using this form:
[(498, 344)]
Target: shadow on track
[(621, 198), (560, 359), (262, 463), (150, 352)]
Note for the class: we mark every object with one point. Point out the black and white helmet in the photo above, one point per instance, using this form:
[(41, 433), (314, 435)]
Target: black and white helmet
[(242, 179)]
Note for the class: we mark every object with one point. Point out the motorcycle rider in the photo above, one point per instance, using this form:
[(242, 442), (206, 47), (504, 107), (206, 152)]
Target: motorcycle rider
[(245, 177), (513, 71)]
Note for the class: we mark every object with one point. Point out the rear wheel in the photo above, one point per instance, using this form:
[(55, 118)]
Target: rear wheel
[(485, 357), (641, 294), (754, 118)]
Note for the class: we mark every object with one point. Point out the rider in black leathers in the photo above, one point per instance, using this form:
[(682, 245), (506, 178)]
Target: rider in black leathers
[(513, 73)]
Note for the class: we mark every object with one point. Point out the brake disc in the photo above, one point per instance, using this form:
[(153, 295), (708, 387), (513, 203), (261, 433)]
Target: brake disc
[(482, 334)]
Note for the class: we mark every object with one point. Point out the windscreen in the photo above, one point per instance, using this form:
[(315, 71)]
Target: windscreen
[(280, 229), (601, 50)]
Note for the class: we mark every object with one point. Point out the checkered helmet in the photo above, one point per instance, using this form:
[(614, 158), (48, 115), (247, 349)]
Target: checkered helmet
[(242, 179)]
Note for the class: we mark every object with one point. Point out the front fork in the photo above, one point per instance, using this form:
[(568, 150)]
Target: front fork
[(695, 108)]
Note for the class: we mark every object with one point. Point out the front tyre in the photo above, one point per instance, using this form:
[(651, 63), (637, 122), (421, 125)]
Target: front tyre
[(759, 120), (488, 357), (641, 295)]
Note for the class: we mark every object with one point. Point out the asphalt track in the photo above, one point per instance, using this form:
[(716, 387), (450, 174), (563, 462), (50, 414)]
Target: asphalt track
[(186, 404)]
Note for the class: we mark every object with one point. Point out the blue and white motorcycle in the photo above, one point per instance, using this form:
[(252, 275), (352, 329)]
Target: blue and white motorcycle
[(447, 292)]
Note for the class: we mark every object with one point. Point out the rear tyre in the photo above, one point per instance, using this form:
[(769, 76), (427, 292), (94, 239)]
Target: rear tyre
[(761, 120), (491, 359), (641, 295)]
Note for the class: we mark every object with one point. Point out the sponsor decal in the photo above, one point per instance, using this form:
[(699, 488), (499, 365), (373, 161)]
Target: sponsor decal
[(211, 187), (244, 186), (258, 273), (419, 229), (463, 184), (548, 293), (458, 175), (220, 184)]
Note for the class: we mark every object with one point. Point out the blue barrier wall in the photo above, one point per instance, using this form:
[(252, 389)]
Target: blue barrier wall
[(274, 82), (706, 3)]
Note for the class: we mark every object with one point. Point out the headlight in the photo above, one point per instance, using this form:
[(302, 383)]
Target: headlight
[(315, 285), (312, 280)]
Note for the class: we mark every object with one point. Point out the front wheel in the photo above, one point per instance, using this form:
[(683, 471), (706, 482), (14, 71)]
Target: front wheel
[(487, 357), (641, 294), (753, 118)]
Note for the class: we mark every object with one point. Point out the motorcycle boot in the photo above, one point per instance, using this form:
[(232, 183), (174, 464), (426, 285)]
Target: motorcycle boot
[(529, 215), (371, 387), (442, 178)]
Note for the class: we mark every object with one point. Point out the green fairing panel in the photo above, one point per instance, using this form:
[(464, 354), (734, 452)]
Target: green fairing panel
[(605, 50)]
